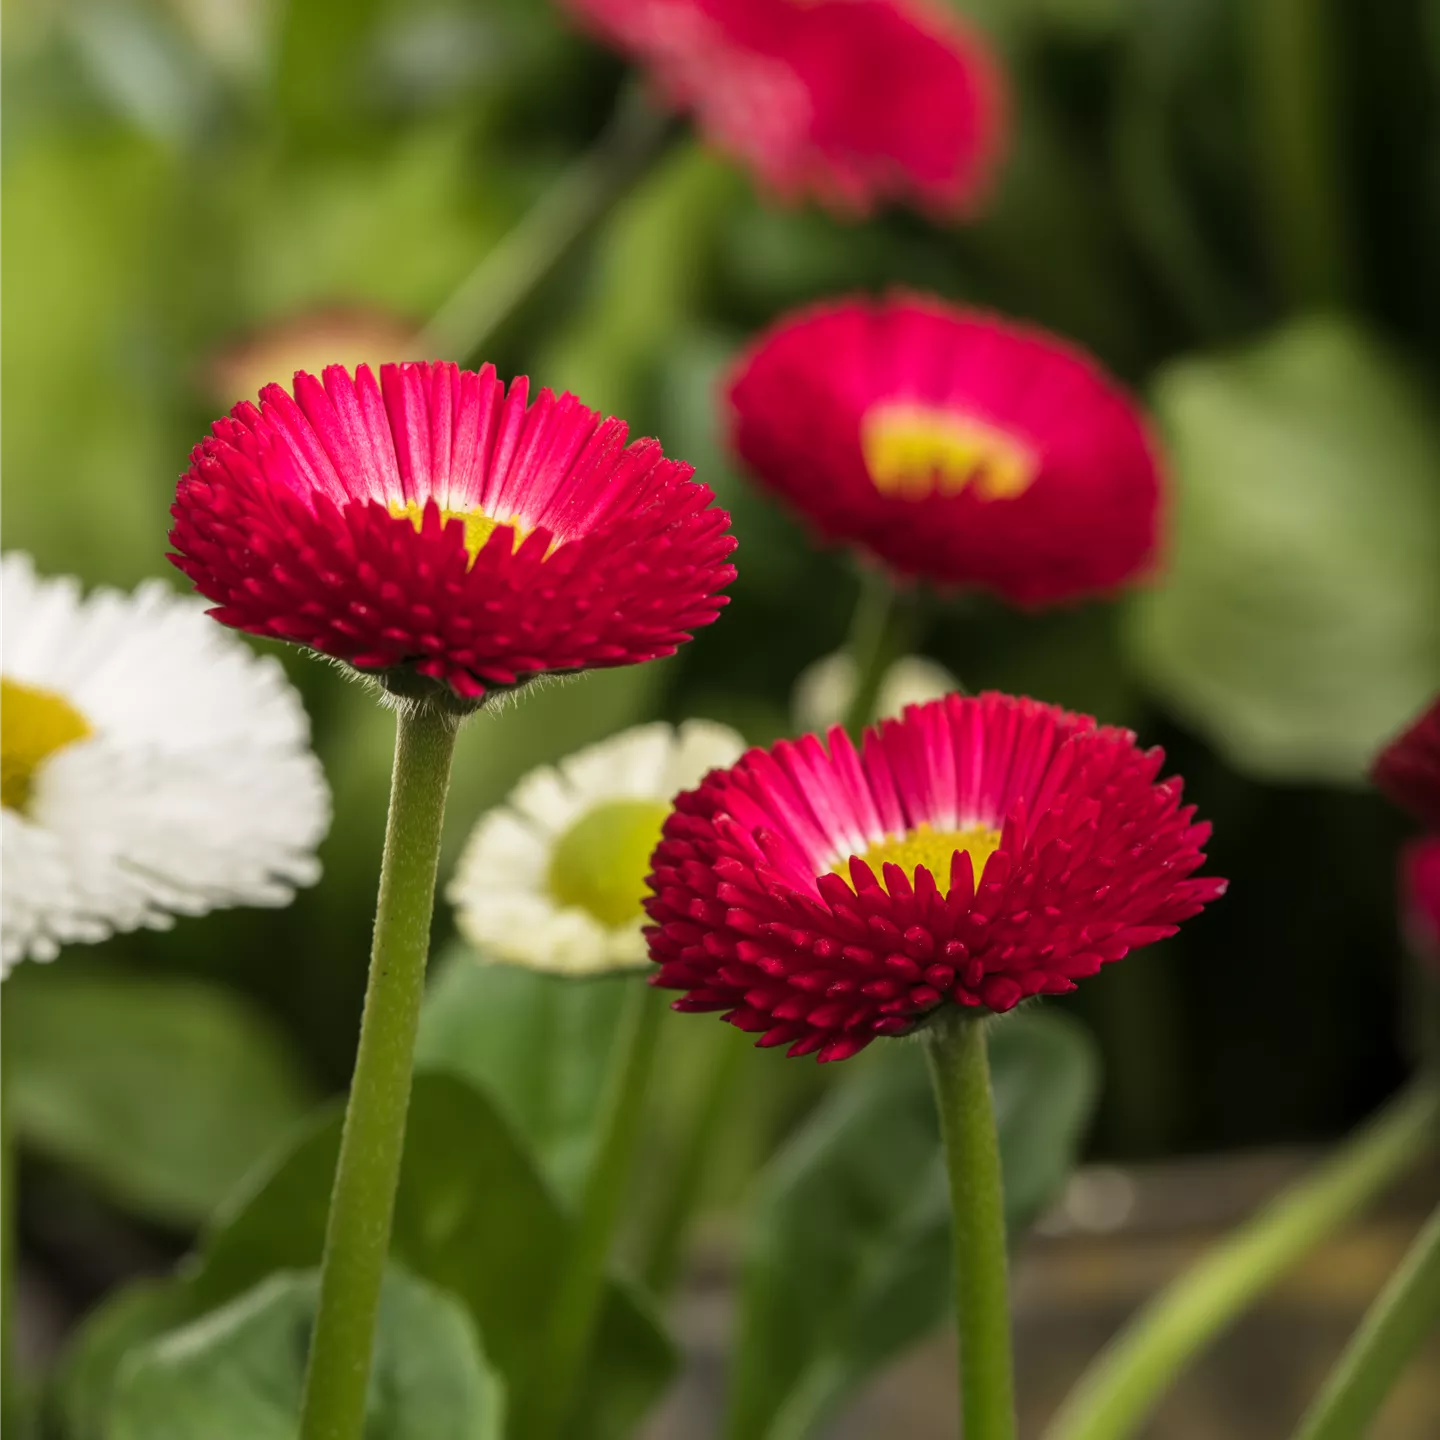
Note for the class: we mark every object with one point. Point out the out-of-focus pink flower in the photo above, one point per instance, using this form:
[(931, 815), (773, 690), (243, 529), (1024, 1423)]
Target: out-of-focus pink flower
[(977, 851), (1408, 768), (951, 445), (435, 525), (851, 101), (1420, 895)]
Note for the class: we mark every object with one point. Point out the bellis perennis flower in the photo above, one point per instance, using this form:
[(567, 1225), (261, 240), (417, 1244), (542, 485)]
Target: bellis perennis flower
[(554, 878), (977, 851), (951, 446), (435, 529), (152, 766), (852, 101), (1408, 768)]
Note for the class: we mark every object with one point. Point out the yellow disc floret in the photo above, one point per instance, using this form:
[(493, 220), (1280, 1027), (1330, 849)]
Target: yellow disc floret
[(601, 861), (479, 526), (914, 451), (931, 848), (34, 724)]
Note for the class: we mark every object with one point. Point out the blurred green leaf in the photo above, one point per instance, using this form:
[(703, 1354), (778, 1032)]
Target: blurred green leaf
[(164, 1090), (537, 1045), (849, 1254), (1298, 621), (238, 1374), (473, 1216)]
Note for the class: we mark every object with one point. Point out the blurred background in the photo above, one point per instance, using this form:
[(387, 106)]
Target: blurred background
[(1235, 203)]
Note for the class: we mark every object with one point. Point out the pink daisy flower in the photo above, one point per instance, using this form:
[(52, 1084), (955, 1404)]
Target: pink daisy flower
[(852, 101), (951, 445), (1420, 895), (975, 852), (437, 531), (1408, 768)]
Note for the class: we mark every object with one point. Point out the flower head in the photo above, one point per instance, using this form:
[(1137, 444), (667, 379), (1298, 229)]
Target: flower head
[(554, 878), (977, 851), (436, 529), (951, 445), (852, 101), (1420, 896), (1408, 768), (152, 766)]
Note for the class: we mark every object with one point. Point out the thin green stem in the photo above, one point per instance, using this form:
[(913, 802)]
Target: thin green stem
[(882, 626), (688, 1174), (1121, 1387), (582, 196), (960, 1070), (362, 1204), (582, 1280), (1404, 1315), (1295, 77)]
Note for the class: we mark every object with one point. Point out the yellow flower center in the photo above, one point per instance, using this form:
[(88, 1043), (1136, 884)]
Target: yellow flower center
[(912, 451), (601, 861), (479, 526), (931, 848), (34, 724)]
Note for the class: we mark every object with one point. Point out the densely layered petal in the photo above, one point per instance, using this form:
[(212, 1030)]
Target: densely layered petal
[(951, 445), (851, 101), (435, 524), (1050, 847)]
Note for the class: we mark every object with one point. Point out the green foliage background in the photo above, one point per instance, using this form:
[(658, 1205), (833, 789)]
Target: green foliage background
[(1237, 205)]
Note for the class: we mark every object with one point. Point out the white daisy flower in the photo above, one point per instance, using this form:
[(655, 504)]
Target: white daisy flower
[(153, 766), (553, 879), (824, 689)]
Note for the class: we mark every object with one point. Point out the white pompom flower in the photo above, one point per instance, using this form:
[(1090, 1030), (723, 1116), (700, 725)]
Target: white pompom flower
[(153, 766), (554, 878)]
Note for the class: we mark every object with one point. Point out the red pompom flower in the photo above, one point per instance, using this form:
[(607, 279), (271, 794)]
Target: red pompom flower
[(1408, 768), (977, 851), (952, 446), (852, 101), (436, 530)]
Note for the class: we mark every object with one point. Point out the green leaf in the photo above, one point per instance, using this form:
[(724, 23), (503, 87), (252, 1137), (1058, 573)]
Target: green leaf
[(849, 1257), (537, 1045), (1298, 621), (238, 1373), (164, 1090), (472, 1215)]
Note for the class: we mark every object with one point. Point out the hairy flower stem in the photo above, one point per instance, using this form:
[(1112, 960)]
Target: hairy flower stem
[(577, 201), (883, 627), (362, 1204), (582, 1281), (1404, 1315), (960, 1070), (1118, 1391)]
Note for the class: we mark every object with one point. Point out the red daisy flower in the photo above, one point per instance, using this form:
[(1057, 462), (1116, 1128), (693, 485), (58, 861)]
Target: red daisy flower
[(1408, 768), (977, 851), (951, 445), (1420, 894), (853, 101), (434, 526)]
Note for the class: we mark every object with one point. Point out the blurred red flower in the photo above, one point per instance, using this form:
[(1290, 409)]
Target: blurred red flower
[(951, 445), (851, 101)]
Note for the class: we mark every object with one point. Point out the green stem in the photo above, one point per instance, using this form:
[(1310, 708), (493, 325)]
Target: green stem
[(582, 1281), (1404, 1315), (879, 631), (1294, 73), (960, 1070), (688, 1174), (12, 1412), (362, 1204), (1120, 1388), (581, 197)]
